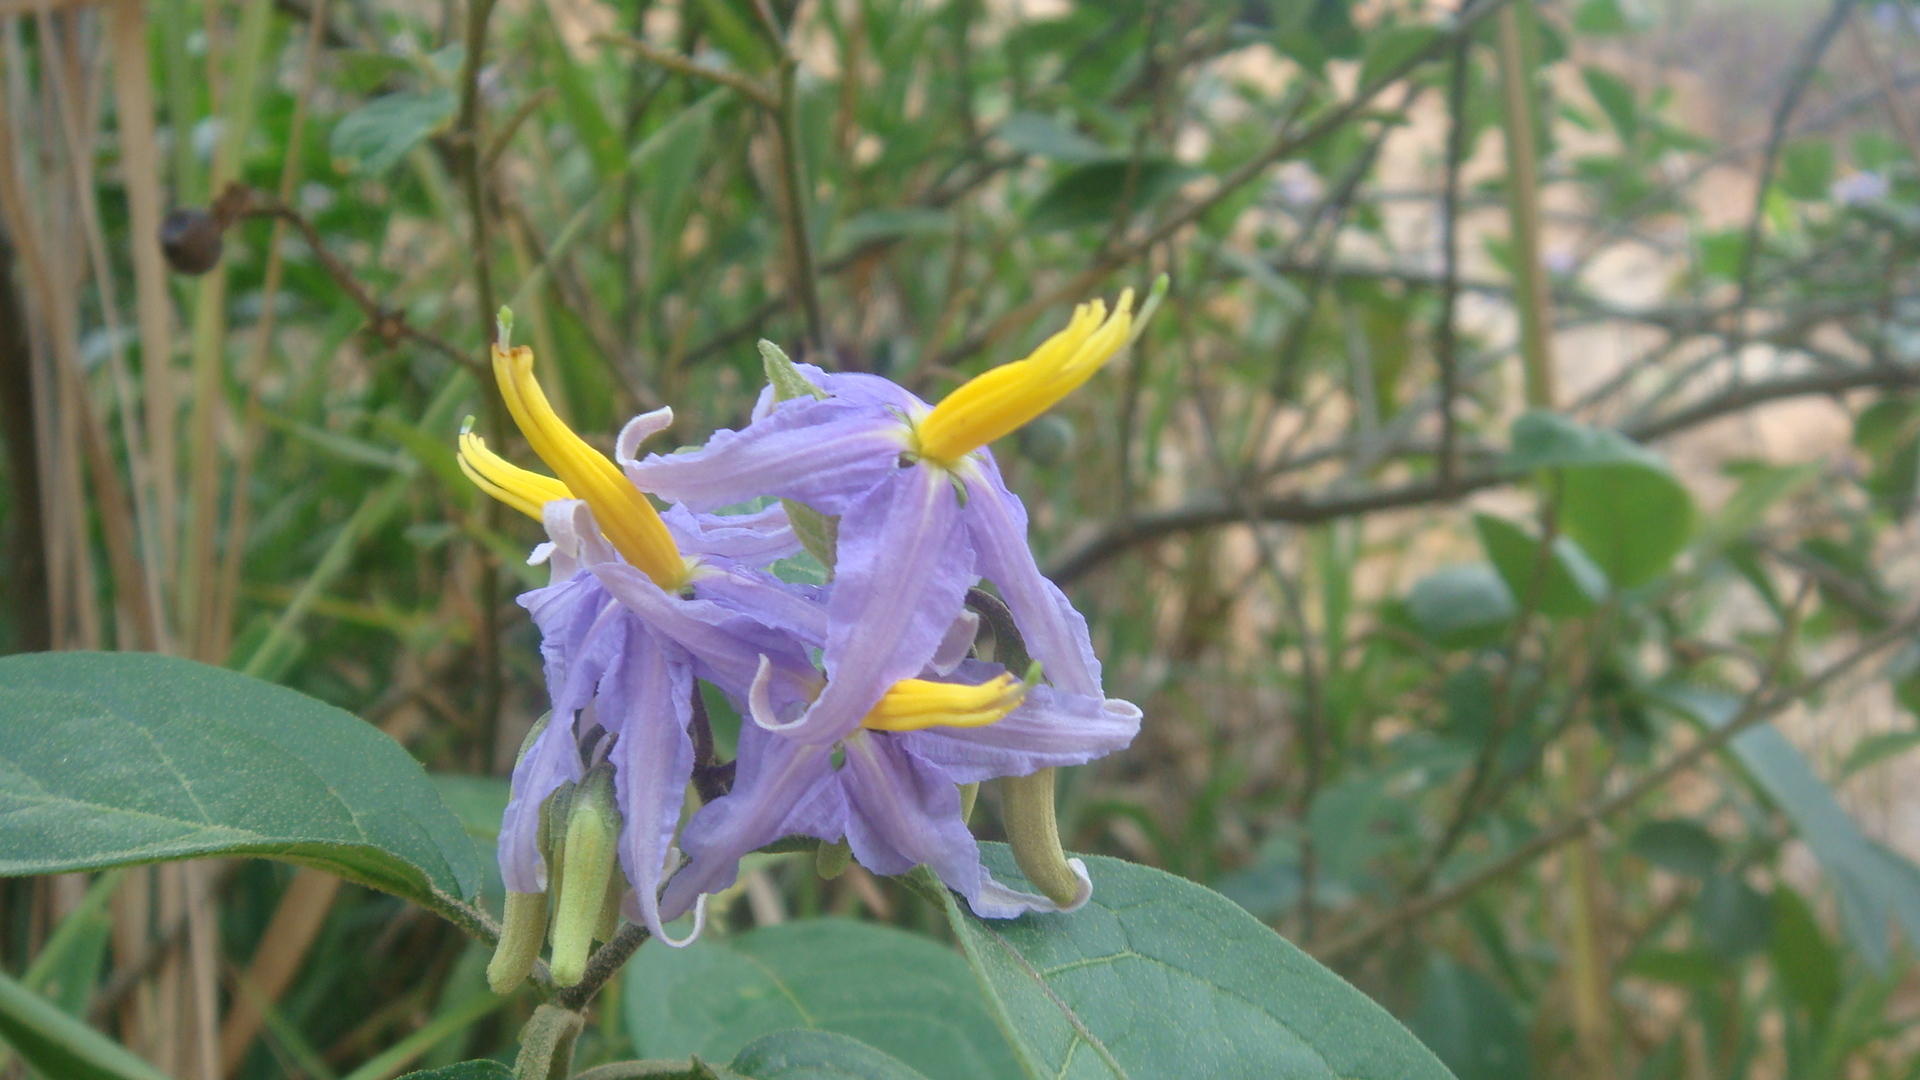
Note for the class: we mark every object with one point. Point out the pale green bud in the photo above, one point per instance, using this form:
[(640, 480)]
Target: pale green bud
[(523, 927), (586, 863), (1026, 807), (831, 860)]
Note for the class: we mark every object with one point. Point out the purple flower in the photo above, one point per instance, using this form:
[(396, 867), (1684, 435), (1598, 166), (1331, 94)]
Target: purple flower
[(638, 606), (894, 797), (923, 514)]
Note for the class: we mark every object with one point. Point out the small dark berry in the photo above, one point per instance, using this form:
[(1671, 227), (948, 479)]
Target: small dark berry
[(190, 239)]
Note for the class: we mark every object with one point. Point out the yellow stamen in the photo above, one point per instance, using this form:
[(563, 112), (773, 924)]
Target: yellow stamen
[(519, 488), (996, 403), (626, 517), (912, 704)]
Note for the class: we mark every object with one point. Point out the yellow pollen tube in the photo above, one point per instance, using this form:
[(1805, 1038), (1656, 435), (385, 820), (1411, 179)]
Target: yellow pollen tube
[(519, 488), (626, 517), (912, 704), (999, 401)]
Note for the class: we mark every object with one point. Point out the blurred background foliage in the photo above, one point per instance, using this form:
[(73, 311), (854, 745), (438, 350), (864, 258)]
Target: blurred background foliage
[(1507, 526)]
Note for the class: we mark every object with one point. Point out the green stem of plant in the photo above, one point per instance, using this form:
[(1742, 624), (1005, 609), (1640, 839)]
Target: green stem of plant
[(1515, 36), (546, 1044)]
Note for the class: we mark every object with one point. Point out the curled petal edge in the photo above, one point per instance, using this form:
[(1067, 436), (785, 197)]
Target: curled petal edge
[(997, 901)]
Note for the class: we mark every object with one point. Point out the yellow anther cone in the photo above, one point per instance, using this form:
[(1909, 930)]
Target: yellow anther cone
[(998, 402), (626, 517), (912, 704), (522, 489)]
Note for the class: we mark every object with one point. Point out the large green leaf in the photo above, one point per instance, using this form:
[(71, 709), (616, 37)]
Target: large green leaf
[(465, 1070), (115, 758), (904, 994), (57, 1045), (1159, 977), (1618, 500), (819, 1055)]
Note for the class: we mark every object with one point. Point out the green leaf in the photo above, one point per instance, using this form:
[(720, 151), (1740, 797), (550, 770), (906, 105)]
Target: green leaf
[(372, 138), (1616, 99), (1733, 918), (108, 759), (1876, 886), (1722, 252), (1617, 499), (465, 1070), (1158, 977), (1093, 194), (1806, 168), (820, 1055), (1877, 748), (862, 229), (1601, 18), (1807, 963), (1544, 440), (906, 995), (57, 1045), (1678, 845), (584, 113), (1389, 48), (1043, 136), (1459, 606), (1570, 585), (1465, 1019), (1689, 967)]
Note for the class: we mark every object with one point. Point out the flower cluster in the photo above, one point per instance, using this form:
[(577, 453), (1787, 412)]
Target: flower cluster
[(871, 714)]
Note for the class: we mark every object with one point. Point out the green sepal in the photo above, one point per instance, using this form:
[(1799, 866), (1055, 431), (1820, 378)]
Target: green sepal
[(784, 376)]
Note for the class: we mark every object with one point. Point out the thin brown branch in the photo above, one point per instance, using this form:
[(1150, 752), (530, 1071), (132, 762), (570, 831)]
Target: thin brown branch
[(749, 88), (1214, 509)]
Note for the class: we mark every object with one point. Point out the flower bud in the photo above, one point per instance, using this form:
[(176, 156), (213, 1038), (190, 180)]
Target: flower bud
[(523, 927), (1026, 806), (586, 861), (830, 860)]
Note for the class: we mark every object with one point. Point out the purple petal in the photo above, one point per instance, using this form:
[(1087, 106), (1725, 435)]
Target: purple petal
[(904, 812), (957, 643), (783, 788), (638, 430), (1055, 634), (799, 610), (822, 453), (725, 645), (553, 759), (1051, 728), (652, 759), (580, 634), (755, 539), (901, 580)]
